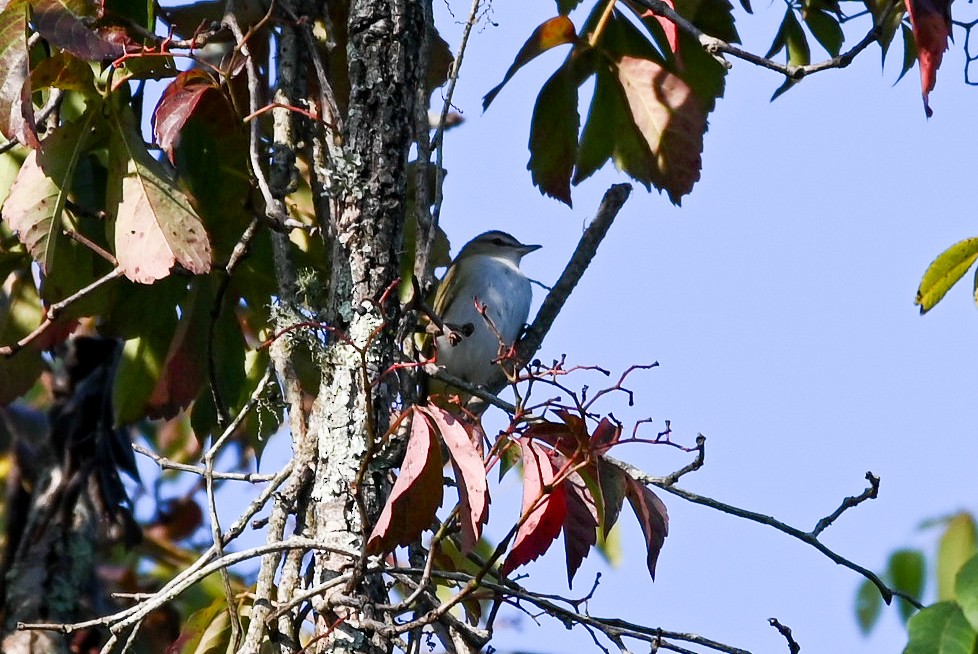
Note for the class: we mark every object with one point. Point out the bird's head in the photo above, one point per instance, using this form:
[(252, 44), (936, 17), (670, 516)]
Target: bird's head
[(496, 243)]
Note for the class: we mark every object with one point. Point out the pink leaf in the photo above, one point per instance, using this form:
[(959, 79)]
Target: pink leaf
[(155, 226), (670, 120), (417, 493), (540, 524), (470, 474)]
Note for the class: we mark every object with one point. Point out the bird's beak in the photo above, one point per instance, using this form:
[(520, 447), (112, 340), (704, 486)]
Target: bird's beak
[(526, 249)]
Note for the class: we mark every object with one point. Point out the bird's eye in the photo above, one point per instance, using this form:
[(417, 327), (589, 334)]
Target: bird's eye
[(497, 241)]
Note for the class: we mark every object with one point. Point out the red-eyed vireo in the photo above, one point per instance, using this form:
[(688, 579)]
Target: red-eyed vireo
[(486, 270)]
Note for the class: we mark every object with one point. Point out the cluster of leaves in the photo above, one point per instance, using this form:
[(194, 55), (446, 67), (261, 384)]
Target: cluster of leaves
[(93, 207), (568, 487), (655, 83), (951, 623)]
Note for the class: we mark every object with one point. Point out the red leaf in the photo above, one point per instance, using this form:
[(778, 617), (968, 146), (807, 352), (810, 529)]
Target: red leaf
[(931, 21), (470, 474), (551, 33), (605, 435), (541, 524), (16, 109), (669, 27), (652, 517), (416, 494), (581, 524), (184, 370), (177, 104)]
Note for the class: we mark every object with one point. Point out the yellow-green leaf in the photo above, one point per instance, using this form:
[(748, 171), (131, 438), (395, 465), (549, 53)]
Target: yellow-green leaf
[(945, 271), (958, 544)]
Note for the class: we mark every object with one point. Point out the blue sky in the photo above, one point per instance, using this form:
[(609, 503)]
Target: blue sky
[(779, 303)]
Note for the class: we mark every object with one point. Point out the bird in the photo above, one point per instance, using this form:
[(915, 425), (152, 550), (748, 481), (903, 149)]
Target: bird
[(487, 271)]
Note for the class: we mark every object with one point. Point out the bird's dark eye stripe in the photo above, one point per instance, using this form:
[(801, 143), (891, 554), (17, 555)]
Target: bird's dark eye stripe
[(497, 241)]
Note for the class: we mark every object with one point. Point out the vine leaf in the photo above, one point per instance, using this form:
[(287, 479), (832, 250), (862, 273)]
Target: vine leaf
[(155, 226), (416, 494), (944, 625), (470, 474), (581, 524), (553, 135), (16, 108), (544, 507), (178, 102), (559, 30), (35, 205), (671, 121), (652, 517), (931, 21), (65, 24)]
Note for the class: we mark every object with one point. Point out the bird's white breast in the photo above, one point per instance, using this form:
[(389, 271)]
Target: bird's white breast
[(505, 290)]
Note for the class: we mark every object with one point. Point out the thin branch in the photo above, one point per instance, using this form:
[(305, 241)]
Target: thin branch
[(612, 202), (718, 47), (168, 464), (871, 492), (806, 537), (54, 310), (793, 646)]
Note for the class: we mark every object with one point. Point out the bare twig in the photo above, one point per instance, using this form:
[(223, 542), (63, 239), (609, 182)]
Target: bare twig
[(793, 646)]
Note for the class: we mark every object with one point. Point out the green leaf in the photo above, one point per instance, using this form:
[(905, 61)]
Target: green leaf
[(141, 364), (966, 591), (777, 44), (826, 29), (944, 272), (63, 70), (869, 604), (799, 54), (20, 313), (35, 205), (906, 572), (940, 629), (558, 30), (909, 51), (564, 7), (958, 544), (553, 134), (897, 9)]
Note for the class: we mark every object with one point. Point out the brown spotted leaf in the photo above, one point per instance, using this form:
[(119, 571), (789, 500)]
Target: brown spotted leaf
[(416, 494), (16, 109), (544, 511), (155, 226)]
